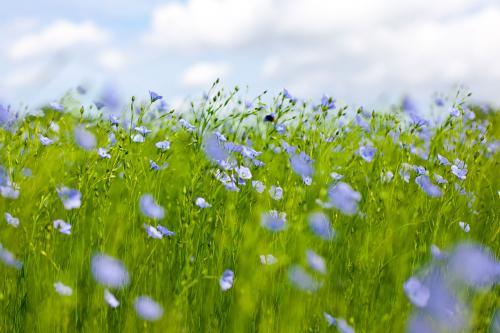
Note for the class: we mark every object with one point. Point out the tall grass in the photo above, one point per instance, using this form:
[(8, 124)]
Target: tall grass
[(371, 256)]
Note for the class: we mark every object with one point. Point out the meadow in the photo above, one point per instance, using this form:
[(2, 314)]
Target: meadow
[(249, 215)]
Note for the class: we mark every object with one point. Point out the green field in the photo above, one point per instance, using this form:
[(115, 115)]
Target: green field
[(377, 242)]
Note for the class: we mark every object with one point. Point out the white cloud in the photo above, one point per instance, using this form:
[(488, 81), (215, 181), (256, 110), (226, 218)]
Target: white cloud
[(22, 77), (353, 48), (112, 59), (57, 37), (202, 74)]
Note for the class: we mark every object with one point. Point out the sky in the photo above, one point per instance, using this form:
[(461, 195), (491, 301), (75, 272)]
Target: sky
[(368, 52)]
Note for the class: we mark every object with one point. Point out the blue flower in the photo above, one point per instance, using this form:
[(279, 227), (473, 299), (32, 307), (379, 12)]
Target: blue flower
[(474, 265), (276, 192), (99, 105), (387, 177), (138, 138), (437, 253), (84, 138), (227, 279), (111, 299), (464, 226), (9, 259), (329, 319), (258, 186), (320, 225), (103, 153), (70, 198), (454, 112), (163, 145), (426, 185), (154, 96), (56, 106), (365, 126), (153, 165), (153, 232), (280, 128), (439, 179), (417, 293), (274, 221), (327, 103), (344, 198), (186, 125), (45, 140), (420, 170), (287, 95), (288, 148), (147, 308), (243, 172), (9, 191), (268, 259), (62, 289), (165, 232), (114, 120), (459, 169), (214, 149), (202, 203), (109, 271), (11, 220), (149, 207), (443, 160), (220, 136), (301, 279), (142, 130), (367, 153), (439, 101), (302, 165), (62, 226), (336, 176), (316, 262)]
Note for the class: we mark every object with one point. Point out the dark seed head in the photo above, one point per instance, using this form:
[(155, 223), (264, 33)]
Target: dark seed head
[(269, 117)]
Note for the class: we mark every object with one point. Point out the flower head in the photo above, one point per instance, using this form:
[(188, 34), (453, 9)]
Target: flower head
[(302, 280), (150, 208), (111, 299), (103, 153), (62, 226), (163, 145), (109, 271), (426, 185), (84, 138), (327, 103), (243, 172), (274, 221), (367, 153), (316, 261), (147, 308), (344, 198), (227, 279), (62, 289), (320, 225), (202, 203), (71, 198), (9, 259), (45, 141), (258, 186), (459, 169), (276, 192), (268, 259), (417, 292), (11, 220), (154, 96)]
